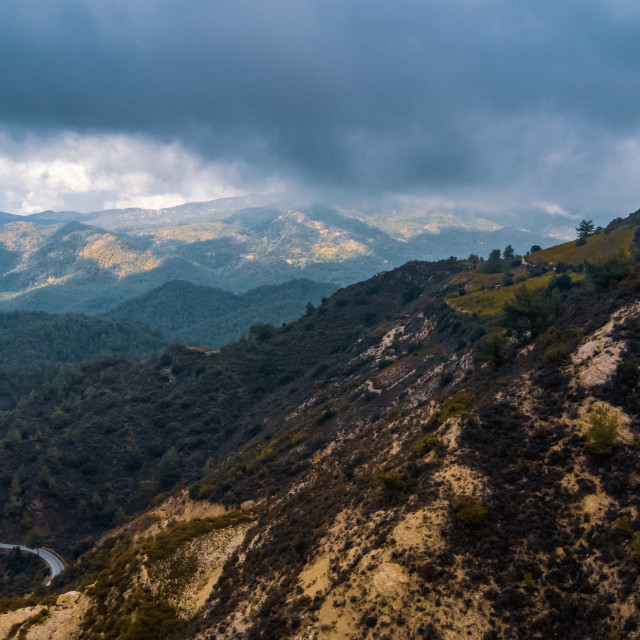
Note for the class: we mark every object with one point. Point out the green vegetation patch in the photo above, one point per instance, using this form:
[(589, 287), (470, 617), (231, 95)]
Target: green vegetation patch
[(176, 534), (124, 609), (467, 511), (426, 444), (12, 603), (389, 479), (154, 621), (456, 404), (602, 435), (528, 581), (624, 526), (635, 545), (598, 249), (491, 302)]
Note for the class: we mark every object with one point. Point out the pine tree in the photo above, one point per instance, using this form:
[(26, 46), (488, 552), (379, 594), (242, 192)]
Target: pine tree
[(585, 229)]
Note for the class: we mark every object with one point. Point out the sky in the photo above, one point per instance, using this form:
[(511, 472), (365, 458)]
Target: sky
[(505, 109)]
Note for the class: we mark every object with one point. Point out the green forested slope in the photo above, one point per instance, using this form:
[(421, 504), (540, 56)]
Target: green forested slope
[(33, 346), (211, 317)]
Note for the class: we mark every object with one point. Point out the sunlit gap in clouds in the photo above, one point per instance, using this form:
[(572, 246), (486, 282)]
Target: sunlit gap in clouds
[(72, 171)]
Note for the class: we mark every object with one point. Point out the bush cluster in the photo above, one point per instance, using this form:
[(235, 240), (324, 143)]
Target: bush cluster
[(467, 511), (427, 443), (602, 435)]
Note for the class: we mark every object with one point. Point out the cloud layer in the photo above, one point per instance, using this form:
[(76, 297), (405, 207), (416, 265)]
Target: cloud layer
[(468, 100), (83, 172)]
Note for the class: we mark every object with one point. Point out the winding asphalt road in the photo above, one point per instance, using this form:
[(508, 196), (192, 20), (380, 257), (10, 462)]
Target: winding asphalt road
[(55, 564)]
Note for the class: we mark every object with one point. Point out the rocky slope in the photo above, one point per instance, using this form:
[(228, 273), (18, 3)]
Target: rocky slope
[(502, 523)]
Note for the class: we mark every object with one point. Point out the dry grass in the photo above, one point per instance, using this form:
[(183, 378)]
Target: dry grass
[(491, 301), (599, 248)]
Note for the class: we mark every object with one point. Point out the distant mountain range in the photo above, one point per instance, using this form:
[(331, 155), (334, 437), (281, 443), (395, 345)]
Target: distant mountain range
[(94, 263)]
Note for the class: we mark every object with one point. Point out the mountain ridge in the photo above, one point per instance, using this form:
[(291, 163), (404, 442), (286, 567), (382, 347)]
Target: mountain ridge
[(209, 317), (52, 267)]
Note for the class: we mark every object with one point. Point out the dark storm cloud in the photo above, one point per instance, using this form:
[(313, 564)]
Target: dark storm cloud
[(392, 96)]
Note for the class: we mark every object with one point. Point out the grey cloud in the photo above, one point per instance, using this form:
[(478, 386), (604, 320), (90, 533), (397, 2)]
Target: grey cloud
[(352, 94)]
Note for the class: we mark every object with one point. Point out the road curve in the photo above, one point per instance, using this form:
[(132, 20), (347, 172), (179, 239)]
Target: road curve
[(55, 564)]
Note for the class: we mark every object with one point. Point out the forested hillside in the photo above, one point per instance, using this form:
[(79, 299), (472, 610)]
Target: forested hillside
[(33, 346), (211, 317)]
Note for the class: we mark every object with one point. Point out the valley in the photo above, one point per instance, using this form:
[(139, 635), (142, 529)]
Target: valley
[(444, 450)]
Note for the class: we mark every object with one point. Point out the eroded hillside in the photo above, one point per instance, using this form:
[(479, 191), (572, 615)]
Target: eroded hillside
[(498, 523)]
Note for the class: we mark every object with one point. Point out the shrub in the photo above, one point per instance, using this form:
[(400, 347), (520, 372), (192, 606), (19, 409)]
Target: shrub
[(59, 418), (528, 582), (467, 511), (446, 378), (154, 620), (388, 479), (614, 634), (178, 533), (601, 277), (624, 526), (168, 468), (427, 443), (457, 404), (261, 331), (635, 545), (493, 348), (555, 353), (562, 282), (370, 318), (531, 311), (602, 435), (21, 628)]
